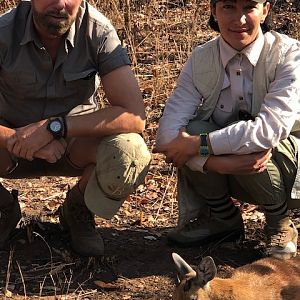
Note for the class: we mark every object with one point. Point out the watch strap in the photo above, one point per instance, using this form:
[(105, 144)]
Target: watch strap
[(203, 149), (65, 128)]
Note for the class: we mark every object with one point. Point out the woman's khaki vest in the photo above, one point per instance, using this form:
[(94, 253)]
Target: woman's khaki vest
[(208, 72)]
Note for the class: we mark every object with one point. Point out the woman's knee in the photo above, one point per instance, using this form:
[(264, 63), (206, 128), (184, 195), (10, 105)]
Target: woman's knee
[(267, 187), (206, 185)]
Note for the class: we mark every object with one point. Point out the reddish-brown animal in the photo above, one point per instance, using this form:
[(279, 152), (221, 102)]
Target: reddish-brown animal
[(265, 279)]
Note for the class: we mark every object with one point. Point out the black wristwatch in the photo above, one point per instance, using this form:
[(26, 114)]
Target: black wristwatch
[(56, 128)]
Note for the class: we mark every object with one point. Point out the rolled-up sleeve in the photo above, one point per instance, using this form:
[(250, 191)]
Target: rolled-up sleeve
[(179, 110), (276, 118), (111, 54), (180, 107)]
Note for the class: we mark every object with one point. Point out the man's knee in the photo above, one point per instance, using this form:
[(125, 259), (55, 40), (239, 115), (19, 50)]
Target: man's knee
[(122, 163), (125, 148), (82, 152)]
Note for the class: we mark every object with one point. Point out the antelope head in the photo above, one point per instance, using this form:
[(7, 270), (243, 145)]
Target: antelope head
[(192, 281)]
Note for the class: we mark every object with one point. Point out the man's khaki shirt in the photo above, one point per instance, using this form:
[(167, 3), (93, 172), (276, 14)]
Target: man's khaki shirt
[(32, 88)]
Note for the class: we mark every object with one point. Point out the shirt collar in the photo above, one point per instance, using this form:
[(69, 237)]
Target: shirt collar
[(76, 24), (71, 35), (252, 52), (29, 33)]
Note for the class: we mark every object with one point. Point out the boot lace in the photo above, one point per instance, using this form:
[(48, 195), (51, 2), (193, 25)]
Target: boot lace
[(279, 237), (197, 222)]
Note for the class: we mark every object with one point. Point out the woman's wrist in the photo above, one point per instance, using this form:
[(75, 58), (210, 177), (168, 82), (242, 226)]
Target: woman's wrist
[(210, 150)]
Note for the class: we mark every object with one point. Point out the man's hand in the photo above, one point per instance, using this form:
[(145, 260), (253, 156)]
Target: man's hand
[(53, 151), (180, 149), (29, 139), (239, 164)]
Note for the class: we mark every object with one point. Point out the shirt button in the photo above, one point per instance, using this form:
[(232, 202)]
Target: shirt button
[(238, 73), (222, 106), (241, 98)]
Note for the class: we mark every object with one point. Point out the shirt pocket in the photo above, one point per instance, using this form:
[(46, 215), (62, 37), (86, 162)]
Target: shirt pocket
[(80, 88), (225, 105), (82, 83), (19, 84)]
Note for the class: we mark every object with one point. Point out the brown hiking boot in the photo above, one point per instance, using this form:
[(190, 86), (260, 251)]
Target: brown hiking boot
[(75, 217), (10, 214), (282, 237)]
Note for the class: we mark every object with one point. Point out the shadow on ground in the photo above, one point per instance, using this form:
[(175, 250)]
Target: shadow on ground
[(41, 263)]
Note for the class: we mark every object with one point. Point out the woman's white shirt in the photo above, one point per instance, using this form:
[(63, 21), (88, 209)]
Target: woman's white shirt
[(273, 123)]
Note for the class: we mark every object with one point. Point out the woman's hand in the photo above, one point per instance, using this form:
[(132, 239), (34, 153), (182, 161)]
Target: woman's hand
[(180, 149), (239, 164)]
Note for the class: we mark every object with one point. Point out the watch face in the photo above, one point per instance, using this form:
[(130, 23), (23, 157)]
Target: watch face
[(55, 126)]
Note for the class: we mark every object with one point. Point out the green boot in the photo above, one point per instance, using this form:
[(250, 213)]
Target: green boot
[(282, 237), (10, 214), (75, 217)]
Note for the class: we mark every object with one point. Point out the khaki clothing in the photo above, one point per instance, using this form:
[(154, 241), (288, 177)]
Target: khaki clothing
[(235, 87), (218, 81), (272, 186), (32, 88), (38, 167), (22, 168)]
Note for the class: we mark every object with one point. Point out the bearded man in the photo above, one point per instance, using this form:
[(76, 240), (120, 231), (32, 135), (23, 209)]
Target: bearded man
[(53, 55)]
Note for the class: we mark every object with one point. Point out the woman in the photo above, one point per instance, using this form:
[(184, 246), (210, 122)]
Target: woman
[(230, 126)]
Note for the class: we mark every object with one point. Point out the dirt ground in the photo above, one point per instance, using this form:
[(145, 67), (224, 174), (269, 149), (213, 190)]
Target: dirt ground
[(137, 263)]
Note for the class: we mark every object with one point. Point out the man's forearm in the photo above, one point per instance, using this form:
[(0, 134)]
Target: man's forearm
[(5, 133), (107, 121)]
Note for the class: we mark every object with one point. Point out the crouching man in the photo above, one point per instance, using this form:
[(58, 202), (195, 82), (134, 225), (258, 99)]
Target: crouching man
[(53, 55)]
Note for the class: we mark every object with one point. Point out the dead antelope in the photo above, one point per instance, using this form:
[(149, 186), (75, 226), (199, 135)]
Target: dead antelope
[(265, 279)]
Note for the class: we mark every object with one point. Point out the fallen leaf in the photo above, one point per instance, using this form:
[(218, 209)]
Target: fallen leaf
[(105, 285), (8, 293)]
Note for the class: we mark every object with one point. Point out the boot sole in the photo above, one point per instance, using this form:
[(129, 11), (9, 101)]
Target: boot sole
[(283, 256), (232, 236)]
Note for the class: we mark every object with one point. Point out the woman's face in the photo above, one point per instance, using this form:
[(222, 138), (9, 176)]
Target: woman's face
[(239, 20)]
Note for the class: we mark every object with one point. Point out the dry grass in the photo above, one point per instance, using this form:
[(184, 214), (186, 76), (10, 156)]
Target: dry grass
[(159, 36)]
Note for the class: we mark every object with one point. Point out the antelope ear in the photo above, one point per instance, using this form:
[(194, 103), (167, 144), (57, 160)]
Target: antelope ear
[(183, 268), (206, 270)]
